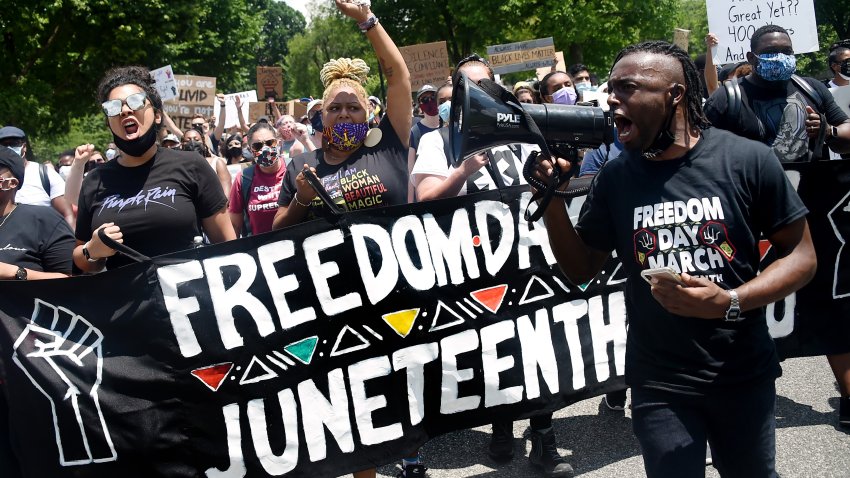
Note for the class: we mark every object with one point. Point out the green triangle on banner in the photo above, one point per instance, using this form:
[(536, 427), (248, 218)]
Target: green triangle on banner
[(584, 286), (303, 349)]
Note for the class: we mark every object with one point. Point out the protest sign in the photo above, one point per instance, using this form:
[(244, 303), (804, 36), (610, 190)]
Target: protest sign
[(330, 346), (428, 64), (256, 110), (561, 65), (294, 108), (316, 350), (680, 38), (232, 118), (269, 82), (521, 56), (734, 23), (196, 96), (165, 83)]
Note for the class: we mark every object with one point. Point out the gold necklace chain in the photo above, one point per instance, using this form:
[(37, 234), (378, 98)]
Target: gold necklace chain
[(7, 216)]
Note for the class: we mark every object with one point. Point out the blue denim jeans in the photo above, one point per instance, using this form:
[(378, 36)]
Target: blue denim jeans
[(739, 424)]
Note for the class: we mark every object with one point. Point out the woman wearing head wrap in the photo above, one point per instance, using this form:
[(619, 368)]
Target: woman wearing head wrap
[(360, 168)]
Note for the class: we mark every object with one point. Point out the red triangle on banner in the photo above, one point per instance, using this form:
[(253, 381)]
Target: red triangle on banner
[(491, 298), (213, 375), (764, 246)]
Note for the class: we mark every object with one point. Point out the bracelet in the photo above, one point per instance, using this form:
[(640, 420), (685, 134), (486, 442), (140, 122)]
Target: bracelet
[(295, 197), (368, 24)]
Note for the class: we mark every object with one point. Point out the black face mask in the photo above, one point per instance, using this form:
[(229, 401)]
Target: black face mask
[(316, 122), (196, 146), (664, 140), (845, 67), (139, 146), (234, 152)]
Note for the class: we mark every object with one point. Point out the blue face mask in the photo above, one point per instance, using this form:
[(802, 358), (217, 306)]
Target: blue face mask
[(17, 149), (776, 66), (583, 86), (444, 111)]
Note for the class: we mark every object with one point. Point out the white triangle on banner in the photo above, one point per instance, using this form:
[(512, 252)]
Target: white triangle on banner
[(268, 375), (535, 280), (441, 306), (348, 330)]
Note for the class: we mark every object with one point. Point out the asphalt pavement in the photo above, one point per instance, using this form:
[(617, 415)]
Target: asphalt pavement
[(598, 442)]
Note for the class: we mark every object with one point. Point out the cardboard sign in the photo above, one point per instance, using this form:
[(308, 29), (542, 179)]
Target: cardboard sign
[(196, 96), (428, 64), (294, 108), (521, 56), (735, 21), (560, 65), (680, 38), (269, 82), (260, 108), (232, 118), (165, 83)]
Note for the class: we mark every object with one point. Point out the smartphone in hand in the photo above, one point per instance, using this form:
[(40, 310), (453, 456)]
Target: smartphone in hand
[(662, 273)]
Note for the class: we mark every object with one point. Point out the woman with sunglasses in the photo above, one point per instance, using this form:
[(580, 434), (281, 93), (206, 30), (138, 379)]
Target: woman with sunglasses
[(154, 200), (253, 197), (360, 168)]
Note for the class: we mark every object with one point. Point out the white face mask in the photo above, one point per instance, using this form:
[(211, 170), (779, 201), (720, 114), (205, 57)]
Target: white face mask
[(63, 171), (17, 149)]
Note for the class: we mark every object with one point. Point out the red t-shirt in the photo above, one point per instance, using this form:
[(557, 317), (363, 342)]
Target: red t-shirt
[(262, 200)]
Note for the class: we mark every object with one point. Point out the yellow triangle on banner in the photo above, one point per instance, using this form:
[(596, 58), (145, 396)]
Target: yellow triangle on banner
[(401, 321)]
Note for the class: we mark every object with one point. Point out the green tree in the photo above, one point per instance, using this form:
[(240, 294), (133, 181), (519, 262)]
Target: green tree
[(282, 23)]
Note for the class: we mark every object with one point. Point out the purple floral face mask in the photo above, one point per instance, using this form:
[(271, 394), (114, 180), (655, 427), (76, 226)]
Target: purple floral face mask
[(346, 136)]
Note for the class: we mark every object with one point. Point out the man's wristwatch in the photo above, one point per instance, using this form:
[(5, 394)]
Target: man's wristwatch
[(87, 254), (21, 274), (733, 313)]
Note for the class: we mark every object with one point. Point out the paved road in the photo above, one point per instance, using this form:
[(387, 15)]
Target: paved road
[(599, 442)]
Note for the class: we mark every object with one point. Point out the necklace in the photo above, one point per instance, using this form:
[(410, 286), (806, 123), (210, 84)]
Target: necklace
[(7, 216)]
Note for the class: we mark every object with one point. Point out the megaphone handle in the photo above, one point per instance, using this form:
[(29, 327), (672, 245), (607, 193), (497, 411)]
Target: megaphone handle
[(494, 173)]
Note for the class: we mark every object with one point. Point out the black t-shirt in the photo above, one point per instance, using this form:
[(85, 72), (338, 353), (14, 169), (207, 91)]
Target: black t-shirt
[(37, 238), (702, 214), (371, 177), (776, 117), (158, 205)]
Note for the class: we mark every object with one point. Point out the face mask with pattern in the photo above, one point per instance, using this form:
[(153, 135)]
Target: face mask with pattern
[(266, 157), (346, 136), (776, 66)]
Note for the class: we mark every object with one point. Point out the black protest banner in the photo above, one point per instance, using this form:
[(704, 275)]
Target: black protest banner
[(816, 319), (317, 350)]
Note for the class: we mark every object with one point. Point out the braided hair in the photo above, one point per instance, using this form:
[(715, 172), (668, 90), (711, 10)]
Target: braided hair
[(695, 115), (351, 72)]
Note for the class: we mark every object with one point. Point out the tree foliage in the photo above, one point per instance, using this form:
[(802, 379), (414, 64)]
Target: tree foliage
[(55, 51)]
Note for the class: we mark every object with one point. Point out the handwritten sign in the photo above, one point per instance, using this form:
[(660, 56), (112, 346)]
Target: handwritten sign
[(521, 56), (735, 21), (196, 96), (428, 64), (165, 83), (560, 65), (256, 110), (680, 38), (269, 82), (232, 117)]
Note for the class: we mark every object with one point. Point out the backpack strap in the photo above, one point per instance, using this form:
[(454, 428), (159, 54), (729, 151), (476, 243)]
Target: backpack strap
[(45, 179), (247, 180), (444, 133), (416, 132), (815, 97), (733, 100)]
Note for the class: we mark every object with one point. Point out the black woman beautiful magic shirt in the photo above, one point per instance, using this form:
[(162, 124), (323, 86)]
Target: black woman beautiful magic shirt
[(158, 205), (371, 177)]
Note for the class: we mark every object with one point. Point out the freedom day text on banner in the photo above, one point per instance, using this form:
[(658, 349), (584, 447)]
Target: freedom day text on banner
[(333, 346), (428, 64), (197, 96), (316, 350), (521, 56), (734, 23)]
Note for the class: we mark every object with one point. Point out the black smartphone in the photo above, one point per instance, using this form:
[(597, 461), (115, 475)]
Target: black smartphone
[(317, 186)]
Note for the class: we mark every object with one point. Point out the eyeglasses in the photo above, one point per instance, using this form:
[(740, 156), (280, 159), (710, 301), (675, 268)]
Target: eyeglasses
[(13, 142), (259, 144), (136, 101), (198, 124), (4, 180)]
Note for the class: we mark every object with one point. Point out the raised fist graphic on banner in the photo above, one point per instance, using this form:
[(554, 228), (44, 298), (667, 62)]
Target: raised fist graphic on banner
[(61, 354)]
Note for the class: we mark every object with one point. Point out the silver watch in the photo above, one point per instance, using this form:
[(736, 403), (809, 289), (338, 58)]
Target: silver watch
[(733, 313)]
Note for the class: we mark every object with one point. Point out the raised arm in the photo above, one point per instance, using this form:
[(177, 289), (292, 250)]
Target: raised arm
[(222, 117), (392, 64)]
